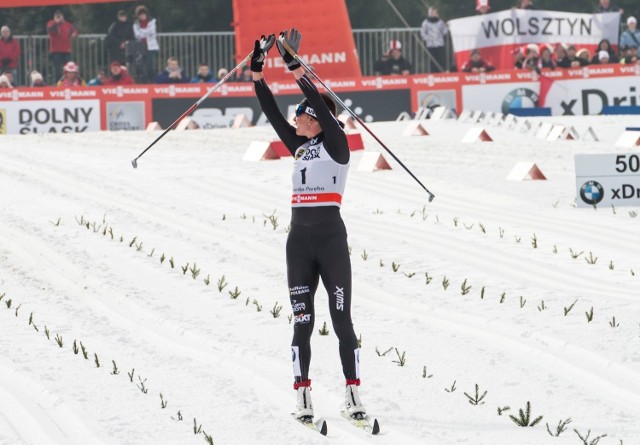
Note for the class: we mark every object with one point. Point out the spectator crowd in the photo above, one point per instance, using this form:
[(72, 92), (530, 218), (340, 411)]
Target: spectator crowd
[(133, 52)]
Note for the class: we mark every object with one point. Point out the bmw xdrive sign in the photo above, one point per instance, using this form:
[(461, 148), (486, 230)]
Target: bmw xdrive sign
[(608, 179)]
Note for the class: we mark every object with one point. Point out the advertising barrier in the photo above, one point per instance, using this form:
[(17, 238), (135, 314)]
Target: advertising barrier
[(576, 91)]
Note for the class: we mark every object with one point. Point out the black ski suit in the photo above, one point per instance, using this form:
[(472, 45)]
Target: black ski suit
[(317, 242)]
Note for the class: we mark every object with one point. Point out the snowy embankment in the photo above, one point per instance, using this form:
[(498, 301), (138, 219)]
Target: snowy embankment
[(473, 286)]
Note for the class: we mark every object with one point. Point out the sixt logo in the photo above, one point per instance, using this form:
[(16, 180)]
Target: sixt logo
[(339, 293), (302, 319)]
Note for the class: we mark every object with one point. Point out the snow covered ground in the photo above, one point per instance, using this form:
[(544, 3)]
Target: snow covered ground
[(224, 365)]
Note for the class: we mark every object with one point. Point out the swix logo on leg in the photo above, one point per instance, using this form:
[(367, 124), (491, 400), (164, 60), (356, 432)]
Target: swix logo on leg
[(339, 293)]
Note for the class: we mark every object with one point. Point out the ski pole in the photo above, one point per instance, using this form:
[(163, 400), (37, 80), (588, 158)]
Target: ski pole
[(192, 108), (354, 115)]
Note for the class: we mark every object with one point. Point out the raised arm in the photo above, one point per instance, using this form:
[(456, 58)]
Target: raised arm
[(286, 132)]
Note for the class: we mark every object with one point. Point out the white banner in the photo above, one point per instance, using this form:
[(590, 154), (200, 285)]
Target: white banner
[(51, 116), (608, 179), (521, 26)]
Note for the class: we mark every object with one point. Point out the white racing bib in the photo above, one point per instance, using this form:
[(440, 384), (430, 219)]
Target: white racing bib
[(317, 179)]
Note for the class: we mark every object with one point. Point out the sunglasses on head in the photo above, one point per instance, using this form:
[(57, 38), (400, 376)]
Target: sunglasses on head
[(304, 108)]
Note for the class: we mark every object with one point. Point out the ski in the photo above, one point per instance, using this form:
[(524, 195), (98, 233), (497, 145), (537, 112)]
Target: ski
[(362, 422), (319, 426)]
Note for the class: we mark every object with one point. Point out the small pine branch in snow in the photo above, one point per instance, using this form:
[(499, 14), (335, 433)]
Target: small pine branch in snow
[(224, 217), (381, 263), (207, 280), (130, 374), (589, 315), (46, 332), (501, 232), (503, 409), (184, 268), (568, 309), (18, 308), (633, 213), (360, 341), (235, 293), (75, 347), (257, 305), (273, 219), (524, 419), (445, 283), (427, 278), (79, 221), (523, 301), (591, 260), (289, 317), (453, 387), (172, 263), (178, 417), (424, 213), (518, 239), (59, 340), (57, 223), (364, 255), (139, 247), (2, 296), (162, 258), (465, 288), (613, 323), (96, 360), (350, 249), (402, 360), (133, 241), (395, 266), (409, 274), (142, 386), (482, 228), (425, 374), (383, 353), (8, 303), (324, 330), (503, 297), (197, 429), (104, 231), (469, 227), (541, 306), (275, 311), (152, 252), (611, 267), (163, 402), (85, 353), (555, 204), (194, 271), (585, 439), (222, 283), (633, 274), (561, 428), (412, 214), (111, 232), (246, 303), (378, 212), (482, 293), (455, 221), (121, 239), (31, 319), (534, 241), (115, 370), (477, 399), (555, 249), (575, 255)]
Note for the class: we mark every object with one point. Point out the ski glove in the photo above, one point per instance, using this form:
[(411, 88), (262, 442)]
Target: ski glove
[(292, 39), (260, 50)]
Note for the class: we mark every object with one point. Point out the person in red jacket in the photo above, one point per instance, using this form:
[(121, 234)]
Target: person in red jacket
[(476, 64), (119, 75), (60, 33), (9, 52)]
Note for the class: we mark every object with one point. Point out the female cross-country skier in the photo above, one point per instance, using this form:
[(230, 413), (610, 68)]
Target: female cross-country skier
[(317, 242)]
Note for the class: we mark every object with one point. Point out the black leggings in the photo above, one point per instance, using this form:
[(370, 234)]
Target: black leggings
[(320, 251)]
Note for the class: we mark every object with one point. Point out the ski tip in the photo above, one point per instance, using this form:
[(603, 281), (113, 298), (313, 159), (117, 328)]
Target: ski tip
[(376, 427), (323, 428)]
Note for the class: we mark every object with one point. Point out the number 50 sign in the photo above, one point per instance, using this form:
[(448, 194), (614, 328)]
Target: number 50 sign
[(608, 179)]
